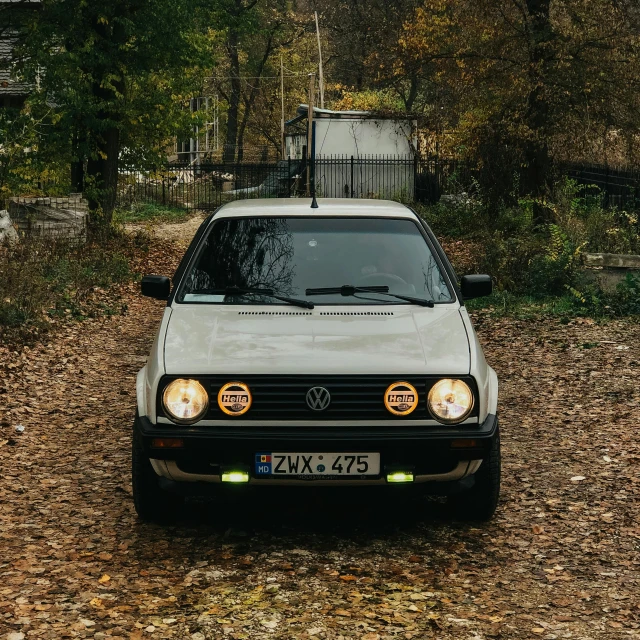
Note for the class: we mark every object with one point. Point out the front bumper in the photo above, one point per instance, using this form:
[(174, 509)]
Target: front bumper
[(434, 454)]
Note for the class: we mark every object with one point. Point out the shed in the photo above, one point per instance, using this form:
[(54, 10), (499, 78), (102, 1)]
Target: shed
[(357, 153)]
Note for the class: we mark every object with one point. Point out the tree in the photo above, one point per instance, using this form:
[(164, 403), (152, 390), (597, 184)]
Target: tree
[(362, 52), (249, 38), (113, 70), (540, 79)]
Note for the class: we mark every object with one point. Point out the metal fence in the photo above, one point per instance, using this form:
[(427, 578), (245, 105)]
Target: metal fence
[(207, 186), (203, 186), (612, 186), (405, 179)]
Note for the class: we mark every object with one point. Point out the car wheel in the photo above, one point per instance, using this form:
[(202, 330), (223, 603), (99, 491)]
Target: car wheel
[(479, 503), (151, 502)]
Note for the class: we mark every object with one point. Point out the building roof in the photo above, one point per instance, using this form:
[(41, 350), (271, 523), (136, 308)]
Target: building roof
[(7, 86), (303, 110), (285, 207)]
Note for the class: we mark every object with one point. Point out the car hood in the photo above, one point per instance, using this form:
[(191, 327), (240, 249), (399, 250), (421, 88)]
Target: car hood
[(209, 339)]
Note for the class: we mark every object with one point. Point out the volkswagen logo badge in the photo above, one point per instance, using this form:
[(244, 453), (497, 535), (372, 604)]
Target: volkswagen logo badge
[(318, 398)]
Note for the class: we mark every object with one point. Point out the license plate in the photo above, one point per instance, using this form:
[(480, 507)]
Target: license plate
[(318, 465)]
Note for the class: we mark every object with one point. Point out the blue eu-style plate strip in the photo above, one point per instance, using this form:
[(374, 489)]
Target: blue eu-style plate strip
[(263, 464)]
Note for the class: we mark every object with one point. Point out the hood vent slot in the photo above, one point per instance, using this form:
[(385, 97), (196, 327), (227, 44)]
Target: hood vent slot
[(274, 313), (322, 313), (356, 313)]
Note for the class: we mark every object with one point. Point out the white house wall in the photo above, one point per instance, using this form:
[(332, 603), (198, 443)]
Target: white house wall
[(376, 146), (360, 137), (382, 152)]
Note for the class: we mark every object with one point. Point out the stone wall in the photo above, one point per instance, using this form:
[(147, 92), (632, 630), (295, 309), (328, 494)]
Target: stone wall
[(609, 269), (50, 217)]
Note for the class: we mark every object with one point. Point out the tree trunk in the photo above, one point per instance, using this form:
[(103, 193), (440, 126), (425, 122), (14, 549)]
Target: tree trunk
[(234, 99), (108, 89), (102, 165), (250, 100), (77, 164), (539, 169), (102, 172), (410, 98)]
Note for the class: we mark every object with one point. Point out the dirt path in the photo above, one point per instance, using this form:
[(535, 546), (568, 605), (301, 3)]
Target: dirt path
[(177, 232), (560, 560)]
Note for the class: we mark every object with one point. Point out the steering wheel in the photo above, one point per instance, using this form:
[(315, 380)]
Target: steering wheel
[(391, 278)]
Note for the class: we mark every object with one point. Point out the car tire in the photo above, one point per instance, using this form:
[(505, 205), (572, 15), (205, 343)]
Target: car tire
[(151, 502), (479, 503)]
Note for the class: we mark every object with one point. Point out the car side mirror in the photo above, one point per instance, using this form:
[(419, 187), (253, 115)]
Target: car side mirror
[(475, 286), (158, 287)]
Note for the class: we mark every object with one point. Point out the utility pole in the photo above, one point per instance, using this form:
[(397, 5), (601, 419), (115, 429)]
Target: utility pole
[(310, 159), (282, 141), (321, 76)]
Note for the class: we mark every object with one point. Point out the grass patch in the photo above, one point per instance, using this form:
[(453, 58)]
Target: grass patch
[(505, 304), (151, 213), (594, 303)]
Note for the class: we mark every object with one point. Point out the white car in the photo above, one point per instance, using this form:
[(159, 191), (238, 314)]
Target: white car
[(316, 346)]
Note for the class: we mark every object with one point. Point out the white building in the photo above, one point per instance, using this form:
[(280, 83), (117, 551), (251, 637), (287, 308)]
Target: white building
[(358, 154)]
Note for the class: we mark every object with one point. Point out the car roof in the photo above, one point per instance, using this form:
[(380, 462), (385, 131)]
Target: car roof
[(284, 207)]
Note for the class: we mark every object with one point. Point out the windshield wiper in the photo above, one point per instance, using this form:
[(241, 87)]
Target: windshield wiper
[(239, 291), (349, 290)]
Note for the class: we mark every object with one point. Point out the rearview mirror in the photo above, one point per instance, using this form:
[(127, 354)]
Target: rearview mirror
[(158, 287), (476, 286)]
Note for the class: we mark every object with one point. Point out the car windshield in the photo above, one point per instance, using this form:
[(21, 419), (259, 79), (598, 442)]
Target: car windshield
[(288, 256)]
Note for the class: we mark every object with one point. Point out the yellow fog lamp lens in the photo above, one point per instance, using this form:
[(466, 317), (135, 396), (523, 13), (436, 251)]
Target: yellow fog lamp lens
[(450, 401), (235, 476), (185, 401), (400, 476)]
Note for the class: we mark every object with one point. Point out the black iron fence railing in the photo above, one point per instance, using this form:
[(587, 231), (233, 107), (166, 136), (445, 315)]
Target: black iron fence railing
[(207, 186), (203, 186), (613, 186), (413, 180)]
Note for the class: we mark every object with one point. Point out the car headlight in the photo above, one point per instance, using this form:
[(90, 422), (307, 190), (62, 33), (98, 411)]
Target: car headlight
[(185, 401), (450, 401)]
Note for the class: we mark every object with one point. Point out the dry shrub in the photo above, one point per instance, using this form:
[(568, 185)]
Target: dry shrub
[(44, 280)]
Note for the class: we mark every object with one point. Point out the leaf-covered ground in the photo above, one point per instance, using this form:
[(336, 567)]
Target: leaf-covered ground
[(560, 560)]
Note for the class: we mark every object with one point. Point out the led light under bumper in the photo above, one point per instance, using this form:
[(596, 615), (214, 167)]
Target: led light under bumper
[(400, 476), (235, 476), (185, 401), (450, 401)]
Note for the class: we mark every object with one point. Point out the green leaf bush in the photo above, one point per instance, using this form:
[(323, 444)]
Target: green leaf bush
[(535, 263)]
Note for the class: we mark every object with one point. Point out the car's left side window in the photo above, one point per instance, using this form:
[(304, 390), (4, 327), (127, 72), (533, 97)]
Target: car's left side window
[(193, 247)]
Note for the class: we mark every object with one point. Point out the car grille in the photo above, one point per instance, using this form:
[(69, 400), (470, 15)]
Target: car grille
[(276, 397)]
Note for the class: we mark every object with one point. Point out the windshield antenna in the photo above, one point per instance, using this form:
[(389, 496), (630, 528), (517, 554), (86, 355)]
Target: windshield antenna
[(311, 140)]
